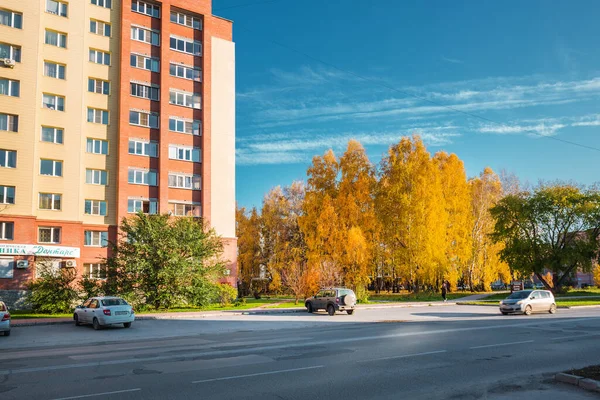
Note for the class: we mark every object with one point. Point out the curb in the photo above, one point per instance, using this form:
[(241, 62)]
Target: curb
[(584, 383)]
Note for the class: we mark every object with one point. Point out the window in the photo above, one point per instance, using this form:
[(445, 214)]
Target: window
[(145, 206), (142, 177), (183, 181), (94, 271), (102, 3), (185, 45), (184, 153), (95, 207), (97, 146), (145, 35), (96, 85), (52, 135), (7, 230), (49, 201), (95, 238), (8, 158), (53, 102), (185, 72), (143, 62), (7, 265), (100, 28), (48, 235), (184, 209), (9, 87), (187, 20), (10, 51), (142, 148), (9, 123), (51, 167), (97, 116), (7, 195), (141, 118), (99, 57), (143, 7), (184, 99), (96, 177), (57, 39), (185, 126), (54, 70), (11, 18), (145, 91), (57, 7)]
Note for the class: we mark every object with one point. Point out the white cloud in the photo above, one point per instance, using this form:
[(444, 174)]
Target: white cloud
[(539, 129), (452, 60)]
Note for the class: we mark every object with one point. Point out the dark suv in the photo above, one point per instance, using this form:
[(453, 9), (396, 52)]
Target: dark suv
[(332, 300)]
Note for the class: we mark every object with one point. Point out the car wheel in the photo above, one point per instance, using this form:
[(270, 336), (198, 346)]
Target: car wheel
[(330, 310), (527, 310), (96, 324), (127, 325), (350, 312), (552, 309), (309, 308), (76, 318), (6, 333)]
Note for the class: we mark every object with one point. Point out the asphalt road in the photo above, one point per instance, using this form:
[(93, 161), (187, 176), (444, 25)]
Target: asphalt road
[(452, 352)]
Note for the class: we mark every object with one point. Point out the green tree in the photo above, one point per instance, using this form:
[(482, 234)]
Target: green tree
[(555, 227), (53, 291), (160, 261)]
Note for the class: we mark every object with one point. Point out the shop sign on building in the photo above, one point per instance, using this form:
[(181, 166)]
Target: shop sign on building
[(38, 250)]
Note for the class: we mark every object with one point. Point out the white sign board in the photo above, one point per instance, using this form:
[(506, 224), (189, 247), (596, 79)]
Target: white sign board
[(39, 250)]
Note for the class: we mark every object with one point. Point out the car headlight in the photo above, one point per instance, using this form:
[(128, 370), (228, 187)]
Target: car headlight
[(519, 302)]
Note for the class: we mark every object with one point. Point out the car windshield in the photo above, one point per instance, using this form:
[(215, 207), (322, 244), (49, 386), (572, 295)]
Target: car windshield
[(114, 302), (520, 295)]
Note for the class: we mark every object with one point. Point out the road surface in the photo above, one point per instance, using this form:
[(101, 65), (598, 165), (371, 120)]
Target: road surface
[(451, 352)]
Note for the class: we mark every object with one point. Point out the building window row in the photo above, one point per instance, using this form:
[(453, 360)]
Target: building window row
[(144, 7), (96, 177), (7, 230), (144, 205), (184, 153), (96, 85), (9, 122), (99, 57), (148, 91), (145, 62), (52, 235), (94, 271), (142, 177), (97, 116), (185, 209), (145, 35), (52, 135), (7, 194), (10, 51), (54, 38), (95, 207), (8, 158), (143, 118), (143, 148), (11, 18), (184, 181), (187, 20), (53, 102), (102, 3), (57, 7), (9, 87), (185, 72), (190, 127), (51, 167), (185, 99), (50, 201), (54, 70), (97, 146), (100, 27), (49, 235), (185, 45)]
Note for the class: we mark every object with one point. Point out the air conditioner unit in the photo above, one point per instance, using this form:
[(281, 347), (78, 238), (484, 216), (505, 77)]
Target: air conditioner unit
[(22, 264), (70, 264), (9, 63)]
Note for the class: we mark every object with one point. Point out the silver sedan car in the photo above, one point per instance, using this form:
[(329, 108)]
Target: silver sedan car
[(4, 319), (103, 311), (529, 301)]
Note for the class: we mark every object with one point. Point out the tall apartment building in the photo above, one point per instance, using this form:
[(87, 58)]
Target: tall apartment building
[(109, 107)]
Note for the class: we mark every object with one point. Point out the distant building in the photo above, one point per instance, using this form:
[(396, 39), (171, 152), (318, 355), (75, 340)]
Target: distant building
[(109, 107)]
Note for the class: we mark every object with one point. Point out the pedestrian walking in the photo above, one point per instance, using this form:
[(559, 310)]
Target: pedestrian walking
[(444, 291)]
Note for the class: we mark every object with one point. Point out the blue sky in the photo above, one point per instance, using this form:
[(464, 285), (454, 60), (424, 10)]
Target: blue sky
[(532, 66)]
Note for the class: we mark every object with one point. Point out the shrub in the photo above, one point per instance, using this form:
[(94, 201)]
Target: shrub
[(89, 288), (52, 292), (226, 294), (362, 294)]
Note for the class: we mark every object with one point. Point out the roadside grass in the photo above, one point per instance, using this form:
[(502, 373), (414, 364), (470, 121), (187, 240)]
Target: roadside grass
[(250, 303), (414, 297)]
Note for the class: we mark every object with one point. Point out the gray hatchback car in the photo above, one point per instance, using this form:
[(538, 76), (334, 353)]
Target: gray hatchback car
[(332, 300), (529, 301)]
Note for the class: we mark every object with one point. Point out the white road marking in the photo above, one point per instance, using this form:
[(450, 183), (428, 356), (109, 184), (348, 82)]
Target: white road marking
[(258, 374), (575, 336), (500, 344), (99, 394), (404, 356), (254, 350)]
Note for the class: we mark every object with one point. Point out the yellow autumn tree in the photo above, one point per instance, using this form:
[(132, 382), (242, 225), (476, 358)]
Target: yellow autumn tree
[(249, 248), (457, 203), (412, 213)]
